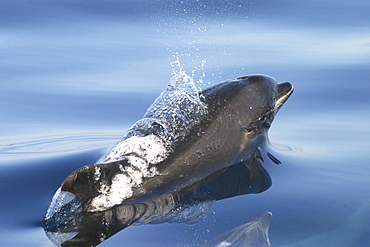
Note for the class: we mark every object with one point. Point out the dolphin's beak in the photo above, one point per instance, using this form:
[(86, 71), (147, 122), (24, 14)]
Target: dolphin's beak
[(285, 89)]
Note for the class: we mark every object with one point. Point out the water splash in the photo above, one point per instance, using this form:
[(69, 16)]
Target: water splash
[(151, 139), (63, 213), (176, 65), (169, 119), (200, 69), (197, 72)]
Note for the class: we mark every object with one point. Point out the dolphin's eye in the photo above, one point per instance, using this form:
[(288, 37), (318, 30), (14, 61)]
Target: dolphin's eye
[(265, 120), (249, 129)]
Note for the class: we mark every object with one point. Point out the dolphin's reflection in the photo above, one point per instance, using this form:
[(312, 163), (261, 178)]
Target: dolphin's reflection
[(187, 205)]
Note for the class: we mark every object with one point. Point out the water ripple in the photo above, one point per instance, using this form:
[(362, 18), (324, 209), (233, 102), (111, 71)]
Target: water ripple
[(53, 144)]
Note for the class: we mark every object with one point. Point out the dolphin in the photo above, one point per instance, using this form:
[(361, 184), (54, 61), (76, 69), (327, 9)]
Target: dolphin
[(184, 137)]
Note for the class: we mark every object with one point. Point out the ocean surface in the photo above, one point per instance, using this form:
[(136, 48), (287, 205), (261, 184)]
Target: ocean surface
[(75, 75)]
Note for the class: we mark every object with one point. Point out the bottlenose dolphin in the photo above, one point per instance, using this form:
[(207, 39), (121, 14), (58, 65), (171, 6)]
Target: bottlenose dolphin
[(234, 121), (184, 137)]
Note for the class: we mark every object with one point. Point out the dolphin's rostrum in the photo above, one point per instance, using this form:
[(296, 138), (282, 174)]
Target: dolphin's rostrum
[(185, 137)]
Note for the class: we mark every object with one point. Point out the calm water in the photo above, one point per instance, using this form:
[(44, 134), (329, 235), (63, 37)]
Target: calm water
[(75, 76)]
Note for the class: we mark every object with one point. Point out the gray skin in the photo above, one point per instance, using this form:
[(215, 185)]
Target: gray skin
[(239, 114)]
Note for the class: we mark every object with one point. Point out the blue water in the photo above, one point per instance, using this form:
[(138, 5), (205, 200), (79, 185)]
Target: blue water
[(75, 75)]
